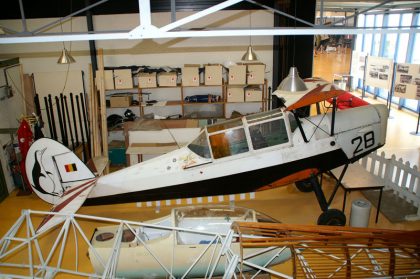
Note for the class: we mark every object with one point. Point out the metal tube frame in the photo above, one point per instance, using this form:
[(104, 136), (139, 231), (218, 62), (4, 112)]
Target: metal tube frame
[(148, 31)]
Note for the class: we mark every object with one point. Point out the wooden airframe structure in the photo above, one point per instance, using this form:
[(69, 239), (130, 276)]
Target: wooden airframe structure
[(339, 252)]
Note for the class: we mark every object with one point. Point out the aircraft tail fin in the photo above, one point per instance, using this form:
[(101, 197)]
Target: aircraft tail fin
[(53, 169)]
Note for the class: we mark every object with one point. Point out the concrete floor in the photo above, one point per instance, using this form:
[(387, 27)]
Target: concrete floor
[(286, 204)]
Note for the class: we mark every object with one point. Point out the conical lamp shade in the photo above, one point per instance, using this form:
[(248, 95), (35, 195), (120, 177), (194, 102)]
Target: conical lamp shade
[(249, 55), (292, 83), (65, 58)]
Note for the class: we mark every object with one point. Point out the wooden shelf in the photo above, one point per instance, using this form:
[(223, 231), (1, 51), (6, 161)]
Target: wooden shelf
[(204, 103), (122, 107), (202, 85), (252, 102), (159, 87)]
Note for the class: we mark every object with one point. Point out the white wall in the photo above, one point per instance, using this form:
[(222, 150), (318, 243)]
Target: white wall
[(11, 110), (42, 57)]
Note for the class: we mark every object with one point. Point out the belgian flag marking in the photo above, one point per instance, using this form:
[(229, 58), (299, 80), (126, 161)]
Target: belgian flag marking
[(70, 167)]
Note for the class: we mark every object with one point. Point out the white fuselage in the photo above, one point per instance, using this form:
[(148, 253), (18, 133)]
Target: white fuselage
[(356, 131)]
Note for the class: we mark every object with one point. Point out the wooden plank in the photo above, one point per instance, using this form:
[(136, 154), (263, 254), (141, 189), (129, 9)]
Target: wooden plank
[(102, 102), (29, 94)]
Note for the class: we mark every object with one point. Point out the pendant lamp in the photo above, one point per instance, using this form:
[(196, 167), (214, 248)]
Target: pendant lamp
[(249, 54), (292, 83), (65, 57)]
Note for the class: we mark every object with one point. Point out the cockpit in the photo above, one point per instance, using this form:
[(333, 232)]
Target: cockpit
[(240, 135)]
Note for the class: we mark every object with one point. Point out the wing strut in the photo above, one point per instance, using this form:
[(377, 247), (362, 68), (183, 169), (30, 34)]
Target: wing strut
[(338, 182), (300, 126)]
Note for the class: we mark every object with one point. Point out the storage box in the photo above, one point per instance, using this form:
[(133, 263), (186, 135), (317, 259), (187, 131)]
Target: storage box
[(167, 79), (147, 80), (237, 74), (190, 75), (253, 94), (213, 75), (255, 73), (120, 101), (108, 79), (123, 79), (235, 94), (116, 152)]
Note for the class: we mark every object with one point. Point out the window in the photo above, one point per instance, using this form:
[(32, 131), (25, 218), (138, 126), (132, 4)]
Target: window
[(228, 143), (359, 38), (377, 37), (259, 117), (200, 146), (268, 134), (398, 46)]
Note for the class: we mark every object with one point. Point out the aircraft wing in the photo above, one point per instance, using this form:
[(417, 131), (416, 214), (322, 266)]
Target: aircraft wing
[(318, 90), (69, 203), (315, 96)]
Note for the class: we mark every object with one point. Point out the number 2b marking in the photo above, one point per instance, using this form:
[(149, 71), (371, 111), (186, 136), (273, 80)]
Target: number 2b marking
[(368, 139)]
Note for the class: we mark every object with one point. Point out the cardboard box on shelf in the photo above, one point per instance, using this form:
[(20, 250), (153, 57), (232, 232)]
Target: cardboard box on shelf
[(255, 73), (147, 80), (190, 75), (167, 79), (253, 94), (235, 94), (123, 79), (237, 74), (119, 101), (213, 75), (108, 79)]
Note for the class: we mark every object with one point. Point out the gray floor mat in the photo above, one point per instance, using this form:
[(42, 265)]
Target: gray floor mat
[(393, 207)]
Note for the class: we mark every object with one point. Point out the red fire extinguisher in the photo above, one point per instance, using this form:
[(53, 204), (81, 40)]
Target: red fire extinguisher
[(25, 139)]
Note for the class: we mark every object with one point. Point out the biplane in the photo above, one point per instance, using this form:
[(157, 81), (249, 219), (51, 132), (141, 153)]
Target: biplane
[(246, 154)]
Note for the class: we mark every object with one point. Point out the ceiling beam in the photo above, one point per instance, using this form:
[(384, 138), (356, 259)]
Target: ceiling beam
[(146, 30), (63, 37)]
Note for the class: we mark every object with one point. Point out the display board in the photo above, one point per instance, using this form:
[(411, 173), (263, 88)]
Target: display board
[(358, 60), (379, 71), (407, 81)]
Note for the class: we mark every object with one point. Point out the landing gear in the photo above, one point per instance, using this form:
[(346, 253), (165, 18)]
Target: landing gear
[(332, 217), (304, 186)]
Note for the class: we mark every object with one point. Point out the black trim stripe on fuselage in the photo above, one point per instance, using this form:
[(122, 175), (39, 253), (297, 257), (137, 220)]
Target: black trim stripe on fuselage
[(231, 184)]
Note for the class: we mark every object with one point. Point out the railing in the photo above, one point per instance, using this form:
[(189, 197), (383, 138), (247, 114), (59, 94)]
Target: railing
[(400, 177)]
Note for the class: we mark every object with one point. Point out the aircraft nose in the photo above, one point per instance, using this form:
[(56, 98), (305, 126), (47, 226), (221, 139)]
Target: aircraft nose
[(383, 116)]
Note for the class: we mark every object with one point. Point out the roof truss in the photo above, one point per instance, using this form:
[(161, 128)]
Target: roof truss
[(146, 30)]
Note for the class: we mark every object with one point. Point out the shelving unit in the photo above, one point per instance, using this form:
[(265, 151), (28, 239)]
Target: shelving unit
[(175, 103), (182, 92)]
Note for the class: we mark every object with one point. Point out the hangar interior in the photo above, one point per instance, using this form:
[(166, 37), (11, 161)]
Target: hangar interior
[(123, 84)]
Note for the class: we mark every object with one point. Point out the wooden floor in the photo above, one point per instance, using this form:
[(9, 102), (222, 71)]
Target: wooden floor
[(286, 204)]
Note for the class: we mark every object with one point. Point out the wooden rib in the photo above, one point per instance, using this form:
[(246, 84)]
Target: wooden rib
[(340, 252)]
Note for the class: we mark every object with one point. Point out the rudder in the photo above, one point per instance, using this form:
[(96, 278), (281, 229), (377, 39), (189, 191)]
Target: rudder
[(52, 168)]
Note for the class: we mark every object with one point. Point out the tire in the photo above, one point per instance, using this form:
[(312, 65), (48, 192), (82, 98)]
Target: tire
[(304, 186), (332, 217)]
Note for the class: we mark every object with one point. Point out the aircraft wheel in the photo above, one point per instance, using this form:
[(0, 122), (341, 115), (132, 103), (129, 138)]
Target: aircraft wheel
[(332, 217), (304, 185)]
